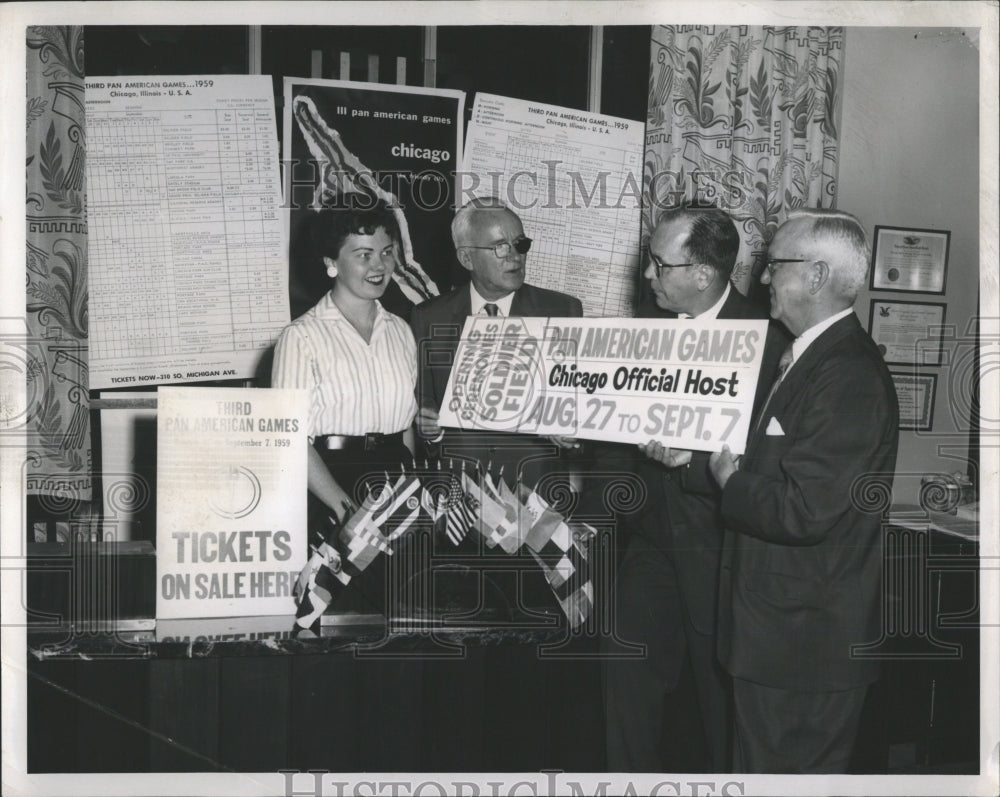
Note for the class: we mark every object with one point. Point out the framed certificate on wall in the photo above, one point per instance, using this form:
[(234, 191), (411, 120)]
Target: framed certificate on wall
[(916, 400), (908, 333), (909, 260)]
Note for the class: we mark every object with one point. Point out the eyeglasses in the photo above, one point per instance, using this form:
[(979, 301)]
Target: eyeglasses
[(659, 265), (502, 249), (772, 263)]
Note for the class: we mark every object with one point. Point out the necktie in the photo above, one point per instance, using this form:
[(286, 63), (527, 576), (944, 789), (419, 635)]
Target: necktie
[(491, 309), (783, 363)]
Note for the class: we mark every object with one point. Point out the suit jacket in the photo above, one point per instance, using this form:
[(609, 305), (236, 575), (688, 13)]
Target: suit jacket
[(683, 514), (800, 581), (437, 325)]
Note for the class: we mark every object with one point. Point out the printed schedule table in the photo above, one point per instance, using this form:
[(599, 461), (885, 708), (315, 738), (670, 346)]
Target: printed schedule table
[(575, 179), (188, 263)]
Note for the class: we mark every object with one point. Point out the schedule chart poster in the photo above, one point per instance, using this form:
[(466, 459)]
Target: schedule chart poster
[(575, 180), (231, 500), (686, 384), (188, 262)]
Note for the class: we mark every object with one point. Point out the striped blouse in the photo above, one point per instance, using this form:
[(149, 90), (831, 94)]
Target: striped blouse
[(355, 387)]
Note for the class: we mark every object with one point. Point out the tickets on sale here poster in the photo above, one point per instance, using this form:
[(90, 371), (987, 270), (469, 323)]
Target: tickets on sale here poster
[(231, 500)]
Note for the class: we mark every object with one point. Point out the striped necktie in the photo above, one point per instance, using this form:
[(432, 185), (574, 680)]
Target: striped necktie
[(783, 363), (491, 309)]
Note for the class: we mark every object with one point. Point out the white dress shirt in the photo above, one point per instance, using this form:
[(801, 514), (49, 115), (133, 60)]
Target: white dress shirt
[(478, 303), (355, 387), (803, 341)]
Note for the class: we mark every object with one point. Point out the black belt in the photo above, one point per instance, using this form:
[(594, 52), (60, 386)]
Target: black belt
[(372, 441)]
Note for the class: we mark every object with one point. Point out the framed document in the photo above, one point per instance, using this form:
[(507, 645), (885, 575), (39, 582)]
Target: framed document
[(909, 260), (916, 400), (908, 333)]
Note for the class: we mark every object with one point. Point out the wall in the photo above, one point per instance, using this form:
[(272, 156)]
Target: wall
[(910, 158)]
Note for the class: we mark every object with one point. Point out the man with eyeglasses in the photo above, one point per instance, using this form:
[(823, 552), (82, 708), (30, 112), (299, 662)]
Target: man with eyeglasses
[(666, 592), (801, 569), (490, 243)]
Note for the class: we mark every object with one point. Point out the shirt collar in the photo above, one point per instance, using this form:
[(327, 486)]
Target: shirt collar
[(476, 306), (327, 310), (803, 341), (715, 309)]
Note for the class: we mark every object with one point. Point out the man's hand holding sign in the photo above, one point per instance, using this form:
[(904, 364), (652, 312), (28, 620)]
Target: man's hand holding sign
[(669, 457)]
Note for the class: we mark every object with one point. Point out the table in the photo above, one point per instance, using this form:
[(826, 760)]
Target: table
[(928, 695), (356, 698)]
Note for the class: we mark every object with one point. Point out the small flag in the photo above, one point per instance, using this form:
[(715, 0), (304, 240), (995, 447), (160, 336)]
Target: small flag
[(402, 510), (541, 524), (458, 516), (433, 501), (508, 533), (322, 579), (577, 606), (490, 512), (491, 489), (434, 507), (582, 534), (374, 503), (364, 543), (360, 537)]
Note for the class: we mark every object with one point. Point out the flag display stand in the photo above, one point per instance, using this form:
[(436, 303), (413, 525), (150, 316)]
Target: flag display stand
[(446, 548)]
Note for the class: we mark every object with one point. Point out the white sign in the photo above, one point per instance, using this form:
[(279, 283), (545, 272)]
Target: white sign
[(685, 384), (187, 258), (575, 179), (231, 500)]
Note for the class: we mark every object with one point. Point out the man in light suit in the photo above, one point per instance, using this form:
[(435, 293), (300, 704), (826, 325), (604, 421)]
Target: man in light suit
[(668, 580), (802, 559), (490, 242)]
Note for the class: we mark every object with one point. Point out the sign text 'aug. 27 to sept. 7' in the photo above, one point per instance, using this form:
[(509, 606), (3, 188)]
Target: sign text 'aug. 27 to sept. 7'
[(685, 383)]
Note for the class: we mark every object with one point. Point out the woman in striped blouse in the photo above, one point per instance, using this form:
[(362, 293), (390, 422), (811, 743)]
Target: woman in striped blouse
[(357, 360)]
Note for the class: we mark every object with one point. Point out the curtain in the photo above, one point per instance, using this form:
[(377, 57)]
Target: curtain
[(59, 452), (743, 118)]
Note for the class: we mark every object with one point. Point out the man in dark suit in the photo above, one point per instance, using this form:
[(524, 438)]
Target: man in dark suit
[(668, 579), (802, 559), (490, 242)]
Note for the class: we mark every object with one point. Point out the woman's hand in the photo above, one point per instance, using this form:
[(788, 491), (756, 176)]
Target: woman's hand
[(342, 507), (326, 489)]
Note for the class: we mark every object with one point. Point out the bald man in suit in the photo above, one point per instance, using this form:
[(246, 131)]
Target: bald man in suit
[(801, 568)]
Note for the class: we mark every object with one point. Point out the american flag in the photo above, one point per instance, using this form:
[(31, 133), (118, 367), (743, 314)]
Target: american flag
[(459, 516)]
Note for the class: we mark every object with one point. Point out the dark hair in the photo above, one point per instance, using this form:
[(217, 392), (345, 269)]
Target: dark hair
[(712, 238), (331, 226)]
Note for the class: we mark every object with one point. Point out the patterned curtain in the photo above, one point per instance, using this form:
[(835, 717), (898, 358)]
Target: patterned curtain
[(744, 118), (59, 453)]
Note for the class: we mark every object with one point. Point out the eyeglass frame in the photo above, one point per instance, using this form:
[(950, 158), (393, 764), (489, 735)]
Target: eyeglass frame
[(770, 262), (515, 245), (659, 265)]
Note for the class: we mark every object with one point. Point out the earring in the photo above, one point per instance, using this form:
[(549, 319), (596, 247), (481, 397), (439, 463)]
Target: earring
[(332, 272), (331, 267)]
